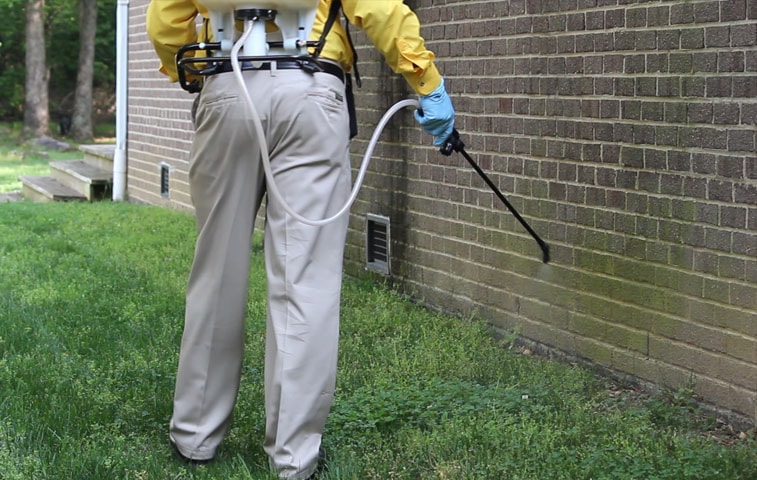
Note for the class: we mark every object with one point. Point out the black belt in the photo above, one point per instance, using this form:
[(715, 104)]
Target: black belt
[(311, 66)]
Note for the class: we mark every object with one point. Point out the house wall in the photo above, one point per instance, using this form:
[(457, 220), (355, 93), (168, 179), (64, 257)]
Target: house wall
[(160, 129), (623, 131)]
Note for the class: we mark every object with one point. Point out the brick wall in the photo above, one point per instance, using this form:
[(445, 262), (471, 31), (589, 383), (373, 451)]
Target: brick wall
[(623, 131), (160, 129)]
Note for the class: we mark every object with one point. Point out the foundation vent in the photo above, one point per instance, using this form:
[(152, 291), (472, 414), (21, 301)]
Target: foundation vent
[(377, 241), (165, 169)]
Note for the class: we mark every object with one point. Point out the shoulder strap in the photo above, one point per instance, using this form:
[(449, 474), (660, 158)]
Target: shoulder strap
[(334, 8), (336, 5), (354, 55)]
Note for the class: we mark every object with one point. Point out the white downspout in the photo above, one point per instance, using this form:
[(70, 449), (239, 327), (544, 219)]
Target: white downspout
[(122, 60)]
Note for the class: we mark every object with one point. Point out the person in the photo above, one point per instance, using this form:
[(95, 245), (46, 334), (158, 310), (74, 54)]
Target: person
[(306, 123)]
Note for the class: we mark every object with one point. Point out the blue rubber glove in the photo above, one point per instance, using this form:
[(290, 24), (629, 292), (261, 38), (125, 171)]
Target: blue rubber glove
[(436, 116)]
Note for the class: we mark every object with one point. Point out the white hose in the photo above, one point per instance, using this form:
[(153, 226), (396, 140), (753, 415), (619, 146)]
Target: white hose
[(270, 184)]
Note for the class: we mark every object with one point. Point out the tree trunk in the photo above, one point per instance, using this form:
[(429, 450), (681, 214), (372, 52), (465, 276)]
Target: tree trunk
[(36, 109), (81, 121)]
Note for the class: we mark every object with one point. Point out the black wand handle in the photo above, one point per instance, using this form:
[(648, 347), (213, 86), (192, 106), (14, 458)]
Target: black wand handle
[(453, 143)]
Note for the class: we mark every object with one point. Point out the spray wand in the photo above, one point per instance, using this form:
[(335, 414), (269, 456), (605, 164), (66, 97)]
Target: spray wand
[(453, 143)]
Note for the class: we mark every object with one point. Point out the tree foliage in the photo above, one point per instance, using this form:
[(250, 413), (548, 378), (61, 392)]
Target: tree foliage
[(12, 53), (62, 45)]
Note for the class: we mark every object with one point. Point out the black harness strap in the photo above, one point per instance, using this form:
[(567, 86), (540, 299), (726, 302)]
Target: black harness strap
[(336, 5), (354, 55), (334, 8)]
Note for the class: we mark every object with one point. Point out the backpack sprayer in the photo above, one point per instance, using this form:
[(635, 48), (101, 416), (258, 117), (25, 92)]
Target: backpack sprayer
[(294, 19)]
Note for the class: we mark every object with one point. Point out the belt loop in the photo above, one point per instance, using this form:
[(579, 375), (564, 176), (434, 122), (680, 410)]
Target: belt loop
[(274, 68)]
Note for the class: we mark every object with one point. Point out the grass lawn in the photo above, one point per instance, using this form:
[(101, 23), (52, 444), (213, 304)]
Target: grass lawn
[(24, 159), (91, 312)]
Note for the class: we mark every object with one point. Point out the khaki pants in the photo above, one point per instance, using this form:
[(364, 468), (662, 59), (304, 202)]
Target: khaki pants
[(306, 123)]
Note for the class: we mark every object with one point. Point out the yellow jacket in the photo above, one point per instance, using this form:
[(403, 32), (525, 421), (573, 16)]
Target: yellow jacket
[(392, 27)]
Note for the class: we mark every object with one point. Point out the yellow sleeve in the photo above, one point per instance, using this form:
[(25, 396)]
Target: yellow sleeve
[(170, 25), (394, 30)]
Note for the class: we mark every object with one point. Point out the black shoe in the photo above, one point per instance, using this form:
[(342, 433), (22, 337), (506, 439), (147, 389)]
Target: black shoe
[(187, 460)]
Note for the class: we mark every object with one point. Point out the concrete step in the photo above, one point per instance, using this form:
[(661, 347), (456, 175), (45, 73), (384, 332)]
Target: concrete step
[(99, 155), (47, 189), (88, 180)]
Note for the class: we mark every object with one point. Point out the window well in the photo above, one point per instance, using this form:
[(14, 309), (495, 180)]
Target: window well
[(377, 241)]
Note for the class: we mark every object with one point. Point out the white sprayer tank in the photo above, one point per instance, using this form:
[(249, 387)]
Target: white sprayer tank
[(294, 18)]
